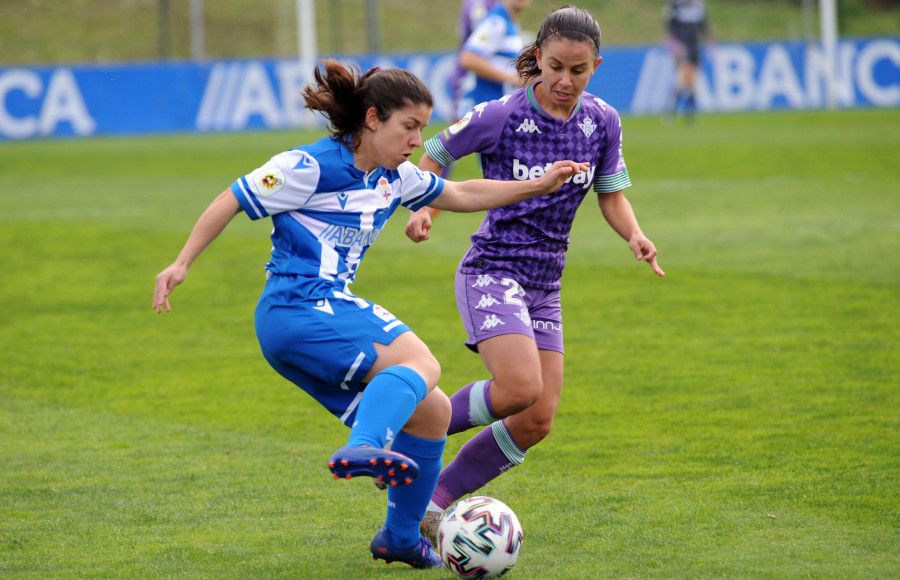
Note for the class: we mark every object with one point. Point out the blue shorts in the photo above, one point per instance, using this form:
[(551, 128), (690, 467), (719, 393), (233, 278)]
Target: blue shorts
[(324, 346), (494, 304)]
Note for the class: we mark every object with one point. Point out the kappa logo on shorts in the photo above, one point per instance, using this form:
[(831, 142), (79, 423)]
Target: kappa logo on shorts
[(483, 280), (524, 316), (486, 301), (491, 321)]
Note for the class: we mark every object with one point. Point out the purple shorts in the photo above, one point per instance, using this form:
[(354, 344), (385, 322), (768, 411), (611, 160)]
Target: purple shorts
[(491, 305)]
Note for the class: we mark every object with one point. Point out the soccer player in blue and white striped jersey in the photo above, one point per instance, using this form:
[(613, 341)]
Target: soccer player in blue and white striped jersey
[(328, 202)]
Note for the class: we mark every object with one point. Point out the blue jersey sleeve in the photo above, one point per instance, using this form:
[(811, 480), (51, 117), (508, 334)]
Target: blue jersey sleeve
[(284, 183), (419, 188)]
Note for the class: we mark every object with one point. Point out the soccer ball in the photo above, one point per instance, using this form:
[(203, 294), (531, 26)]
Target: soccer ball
[(479, 537)]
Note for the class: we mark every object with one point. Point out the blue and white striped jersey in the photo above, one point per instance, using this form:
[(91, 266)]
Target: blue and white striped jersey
[(498, 39), (326, 212)]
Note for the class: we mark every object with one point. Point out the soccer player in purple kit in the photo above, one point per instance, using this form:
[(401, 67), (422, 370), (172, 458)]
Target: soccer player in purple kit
[(508, 282)]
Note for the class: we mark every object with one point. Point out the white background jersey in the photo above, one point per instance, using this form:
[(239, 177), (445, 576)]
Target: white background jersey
[(326, 213)]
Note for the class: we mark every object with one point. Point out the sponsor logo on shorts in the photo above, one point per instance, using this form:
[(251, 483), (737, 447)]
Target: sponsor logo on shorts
[(546, 325)]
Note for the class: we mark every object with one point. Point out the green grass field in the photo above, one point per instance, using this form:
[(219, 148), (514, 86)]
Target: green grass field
[(739, 418)]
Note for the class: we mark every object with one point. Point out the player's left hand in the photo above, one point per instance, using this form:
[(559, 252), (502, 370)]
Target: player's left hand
[(559, 172), (645, 251), (165, 283)]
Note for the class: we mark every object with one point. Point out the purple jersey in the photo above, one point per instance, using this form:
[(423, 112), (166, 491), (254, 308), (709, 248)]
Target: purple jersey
[(517, 139)]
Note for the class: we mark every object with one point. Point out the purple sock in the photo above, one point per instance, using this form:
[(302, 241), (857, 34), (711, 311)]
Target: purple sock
[(471, 407), (484, 457)]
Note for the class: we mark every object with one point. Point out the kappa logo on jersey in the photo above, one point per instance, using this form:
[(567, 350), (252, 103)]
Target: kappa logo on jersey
[(491, 321), (528, 126), (384, 191), (521, 172), (587, 127), (268, 180), (487, 301), (483, 280), (479, 108)]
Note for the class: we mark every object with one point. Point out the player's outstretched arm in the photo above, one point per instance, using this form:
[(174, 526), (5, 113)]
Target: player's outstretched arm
[(481, 194), (419, 224), (619, 214), (208, 227)]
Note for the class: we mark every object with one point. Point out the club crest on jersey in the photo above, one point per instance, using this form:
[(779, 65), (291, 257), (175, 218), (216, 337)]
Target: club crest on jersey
[(587, 127), (384, 191), (528, 126), (268, 181)]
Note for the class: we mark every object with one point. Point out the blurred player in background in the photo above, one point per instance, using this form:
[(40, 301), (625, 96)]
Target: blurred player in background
[(487, 56), (471, 12), (687, 24), (508, 283), (328, 202)]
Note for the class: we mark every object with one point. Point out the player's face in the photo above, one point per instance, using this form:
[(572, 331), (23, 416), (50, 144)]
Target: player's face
[(396, 138), (566, 67)]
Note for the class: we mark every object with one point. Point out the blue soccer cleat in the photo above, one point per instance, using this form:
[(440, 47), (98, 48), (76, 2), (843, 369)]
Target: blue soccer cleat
[(420, 555), (385, 466)]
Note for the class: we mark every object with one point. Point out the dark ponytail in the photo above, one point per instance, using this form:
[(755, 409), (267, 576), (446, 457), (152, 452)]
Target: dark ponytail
[(568, 22), (343, 96)]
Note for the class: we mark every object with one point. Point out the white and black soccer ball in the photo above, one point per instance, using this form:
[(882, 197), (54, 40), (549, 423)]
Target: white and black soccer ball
[(479, 537)]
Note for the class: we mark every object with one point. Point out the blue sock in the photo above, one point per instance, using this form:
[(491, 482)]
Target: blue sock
[(387, 403), (407, 503)]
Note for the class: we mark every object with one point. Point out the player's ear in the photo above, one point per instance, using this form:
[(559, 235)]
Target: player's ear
[(372, 120), (599, 60), (537, 57)]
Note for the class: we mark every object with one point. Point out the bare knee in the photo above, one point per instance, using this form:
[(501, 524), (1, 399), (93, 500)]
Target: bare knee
[(431, 418), (509, 397), (529, 431)]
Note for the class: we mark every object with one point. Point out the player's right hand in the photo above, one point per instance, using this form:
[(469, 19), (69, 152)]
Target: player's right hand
[(165, 283), (418, 226)]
